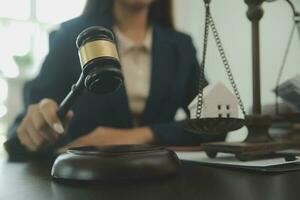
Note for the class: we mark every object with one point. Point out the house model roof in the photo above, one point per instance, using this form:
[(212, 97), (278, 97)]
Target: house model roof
[(217, 91)]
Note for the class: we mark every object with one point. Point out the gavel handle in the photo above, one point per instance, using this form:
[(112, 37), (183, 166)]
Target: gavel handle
[(70, 99)]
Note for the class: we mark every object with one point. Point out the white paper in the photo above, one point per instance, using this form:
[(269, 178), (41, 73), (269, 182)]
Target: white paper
[(229, 159)]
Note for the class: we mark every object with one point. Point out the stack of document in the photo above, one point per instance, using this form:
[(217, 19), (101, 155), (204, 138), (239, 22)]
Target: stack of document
[(289, 91), (229, 160)]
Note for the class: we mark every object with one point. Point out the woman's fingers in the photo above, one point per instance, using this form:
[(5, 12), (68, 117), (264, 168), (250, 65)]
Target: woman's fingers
[(25, 140), (36, 137), (49, 109), (41, 126), (68, 120)]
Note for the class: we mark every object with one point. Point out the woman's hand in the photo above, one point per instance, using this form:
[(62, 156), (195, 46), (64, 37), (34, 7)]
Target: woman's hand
[(110, 136), (41, 126)]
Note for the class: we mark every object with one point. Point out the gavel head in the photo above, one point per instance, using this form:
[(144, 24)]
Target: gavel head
[(99, 60)]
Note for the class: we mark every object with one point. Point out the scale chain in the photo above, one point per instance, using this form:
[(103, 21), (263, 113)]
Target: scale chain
[(202, 75), (226, 64), (209, 22)]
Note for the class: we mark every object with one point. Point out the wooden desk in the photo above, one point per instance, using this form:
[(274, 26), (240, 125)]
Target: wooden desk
[(31, 181)]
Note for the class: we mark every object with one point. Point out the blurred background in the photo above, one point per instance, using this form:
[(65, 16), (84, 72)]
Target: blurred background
[(24, 34), (25, 26)]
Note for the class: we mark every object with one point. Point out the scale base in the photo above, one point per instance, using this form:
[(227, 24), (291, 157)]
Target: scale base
[(246, 151), (257, 145)]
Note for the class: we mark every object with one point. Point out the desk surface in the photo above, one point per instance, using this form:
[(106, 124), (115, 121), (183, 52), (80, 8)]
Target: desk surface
[(22, 181)]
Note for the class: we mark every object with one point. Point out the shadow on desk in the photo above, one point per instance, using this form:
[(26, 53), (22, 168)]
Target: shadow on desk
[(32, 181)]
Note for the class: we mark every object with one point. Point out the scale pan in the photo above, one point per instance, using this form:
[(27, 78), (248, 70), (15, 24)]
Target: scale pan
[(213, 125)]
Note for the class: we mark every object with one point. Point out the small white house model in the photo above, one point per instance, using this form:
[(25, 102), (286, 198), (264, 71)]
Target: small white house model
[(218, 102)]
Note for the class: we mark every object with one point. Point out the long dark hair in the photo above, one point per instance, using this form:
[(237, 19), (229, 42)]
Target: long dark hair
[(160, 10)]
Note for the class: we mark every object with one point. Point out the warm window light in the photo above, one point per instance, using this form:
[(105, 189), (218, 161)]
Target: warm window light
[(2, 140), (3, 90), (57, 11), (16, 9), (15, 38), (10, 69), (3, 110)]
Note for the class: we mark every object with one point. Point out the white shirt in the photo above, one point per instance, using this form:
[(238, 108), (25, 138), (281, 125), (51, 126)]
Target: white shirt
[(135, 60)]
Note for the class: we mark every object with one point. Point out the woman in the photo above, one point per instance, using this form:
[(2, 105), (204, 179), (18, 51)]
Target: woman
[(161, 75)]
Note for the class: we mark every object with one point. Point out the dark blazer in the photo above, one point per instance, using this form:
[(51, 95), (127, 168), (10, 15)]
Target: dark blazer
[(175, 73)]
